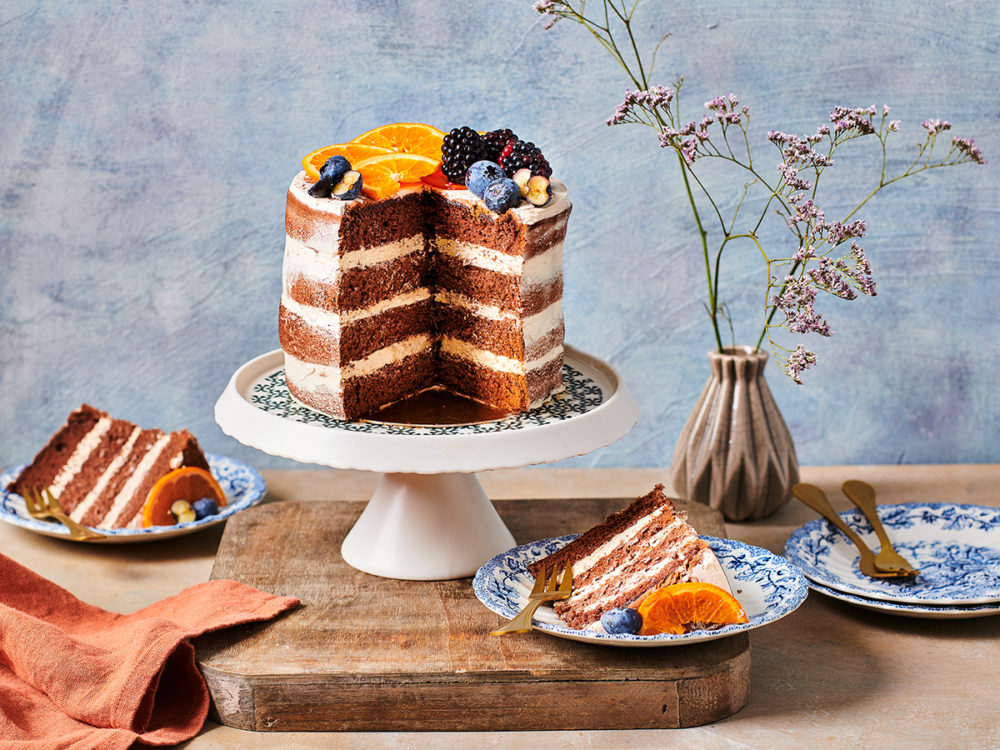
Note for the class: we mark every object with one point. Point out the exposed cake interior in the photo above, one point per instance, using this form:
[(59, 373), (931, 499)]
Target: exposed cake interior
[(618, 562), (384, 299), (101, 469)]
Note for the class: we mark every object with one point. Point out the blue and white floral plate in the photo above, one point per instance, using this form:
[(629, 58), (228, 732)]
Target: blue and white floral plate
[(922, 611), (767, 586), (243, 485), (955, 547)]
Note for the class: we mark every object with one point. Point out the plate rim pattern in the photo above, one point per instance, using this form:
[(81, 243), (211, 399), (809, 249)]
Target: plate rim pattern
[(809, 545)]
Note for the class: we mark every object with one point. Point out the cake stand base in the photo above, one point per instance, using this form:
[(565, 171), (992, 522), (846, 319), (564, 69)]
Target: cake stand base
[(426, 527)]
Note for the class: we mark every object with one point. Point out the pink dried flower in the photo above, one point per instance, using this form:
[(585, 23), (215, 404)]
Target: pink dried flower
[(969, 148), (936, 126)]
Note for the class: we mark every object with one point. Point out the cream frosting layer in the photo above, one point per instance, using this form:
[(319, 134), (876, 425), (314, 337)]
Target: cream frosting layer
[(113, 468), (480, 257), (326, 267), (133, 483), (331, 322), (311, 377), (80, 455), (533, 328)]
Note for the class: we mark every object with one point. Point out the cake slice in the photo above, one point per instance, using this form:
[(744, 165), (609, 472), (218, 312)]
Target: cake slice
[(101, 469), (617, 563)]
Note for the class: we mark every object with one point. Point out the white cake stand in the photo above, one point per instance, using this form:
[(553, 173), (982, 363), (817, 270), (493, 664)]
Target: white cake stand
[(429, 519)]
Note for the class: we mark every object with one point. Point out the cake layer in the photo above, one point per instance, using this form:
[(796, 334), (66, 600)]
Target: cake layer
[(617, 563), (330, 339), (357, 280), (467, 221), (504, 389), (500, 280), (323, 389), (484, 326), (507, 383)]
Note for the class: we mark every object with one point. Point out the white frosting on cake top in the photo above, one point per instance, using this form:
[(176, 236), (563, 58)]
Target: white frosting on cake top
[(525, 212)]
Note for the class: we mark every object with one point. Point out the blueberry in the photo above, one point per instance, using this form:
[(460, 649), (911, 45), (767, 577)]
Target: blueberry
[(502, 195), (621, 621), (349, 186), (205, 507), (330, 174), (335, 167), (480, 175), (321, 188)]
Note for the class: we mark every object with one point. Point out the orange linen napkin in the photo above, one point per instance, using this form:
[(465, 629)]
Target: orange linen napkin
[(75, 676)]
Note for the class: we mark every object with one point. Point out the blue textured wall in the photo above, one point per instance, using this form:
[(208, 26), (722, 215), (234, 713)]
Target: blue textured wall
[(145, 150)]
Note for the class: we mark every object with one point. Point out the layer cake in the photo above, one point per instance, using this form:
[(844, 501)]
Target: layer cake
[(427, 289), (101, 469), (618, 562)]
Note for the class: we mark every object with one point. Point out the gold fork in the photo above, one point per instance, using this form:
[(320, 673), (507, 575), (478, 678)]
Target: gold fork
[(48, 507), (862, 495), (542, 591), (816, 499)]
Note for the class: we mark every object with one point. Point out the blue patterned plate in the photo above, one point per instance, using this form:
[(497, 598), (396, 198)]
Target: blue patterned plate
[(955, 547), (923, 611), (767, 586), (243, 486)]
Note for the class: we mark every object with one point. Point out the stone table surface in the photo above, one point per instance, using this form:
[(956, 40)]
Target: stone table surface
[(828, 675)]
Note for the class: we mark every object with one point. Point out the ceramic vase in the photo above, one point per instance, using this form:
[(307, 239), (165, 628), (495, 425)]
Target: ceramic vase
[(735, 453)]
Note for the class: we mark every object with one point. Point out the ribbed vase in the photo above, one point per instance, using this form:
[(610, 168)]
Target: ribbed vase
[(735, 453)]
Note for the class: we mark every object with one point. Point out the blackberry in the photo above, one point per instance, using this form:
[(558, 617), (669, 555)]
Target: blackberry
[(521, 155), (462, 147), (495, 142)]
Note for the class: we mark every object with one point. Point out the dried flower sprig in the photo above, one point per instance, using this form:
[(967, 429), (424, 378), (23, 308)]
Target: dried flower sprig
[(819, 264)]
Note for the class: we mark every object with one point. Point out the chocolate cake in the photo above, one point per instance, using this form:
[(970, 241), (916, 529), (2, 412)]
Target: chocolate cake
[(618, 562), (426, 289), (101, 469)]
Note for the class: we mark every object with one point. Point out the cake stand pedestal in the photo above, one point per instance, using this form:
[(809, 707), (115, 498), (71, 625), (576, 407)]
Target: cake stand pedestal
[(429, 519)]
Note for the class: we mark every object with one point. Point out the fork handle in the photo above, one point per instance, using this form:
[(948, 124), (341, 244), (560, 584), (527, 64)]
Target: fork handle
[(863, 496), (522, 620), (76, 531)]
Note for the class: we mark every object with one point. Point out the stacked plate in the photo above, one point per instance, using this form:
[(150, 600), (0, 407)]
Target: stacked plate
[(955, 547)]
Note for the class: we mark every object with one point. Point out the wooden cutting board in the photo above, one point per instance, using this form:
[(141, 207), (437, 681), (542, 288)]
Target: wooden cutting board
[(365, 653)]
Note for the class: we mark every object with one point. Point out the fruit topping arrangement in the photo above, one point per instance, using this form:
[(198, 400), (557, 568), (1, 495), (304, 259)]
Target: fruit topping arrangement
[(496, 166), (182, 496), (676, 609)]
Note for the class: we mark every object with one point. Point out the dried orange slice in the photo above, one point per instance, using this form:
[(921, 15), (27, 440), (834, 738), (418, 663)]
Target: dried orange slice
[(406, 138), (684, 607), (382, 175), (353, 152), (188, 483)]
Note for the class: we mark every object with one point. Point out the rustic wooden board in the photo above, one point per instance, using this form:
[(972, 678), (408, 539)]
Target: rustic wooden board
[(365, 653)]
